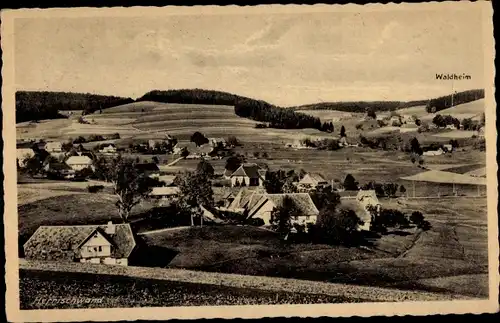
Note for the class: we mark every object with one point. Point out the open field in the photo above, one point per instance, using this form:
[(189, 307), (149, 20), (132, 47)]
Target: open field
[(252, 284), (122, 291), (455, 134), (418, 111)]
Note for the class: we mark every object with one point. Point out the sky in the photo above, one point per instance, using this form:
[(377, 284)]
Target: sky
[(286, 59)]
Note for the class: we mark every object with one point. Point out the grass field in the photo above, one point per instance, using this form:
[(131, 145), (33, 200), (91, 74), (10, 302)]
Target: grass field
[(117, 291)]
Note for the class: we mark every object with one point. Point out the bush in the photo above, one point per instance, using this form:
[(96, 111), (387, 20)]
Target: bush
[(95, 188), (416, 217), (425, 225)]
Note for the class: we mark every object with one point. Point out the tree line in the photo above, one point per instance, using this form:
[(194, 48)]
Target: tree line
[(444, 102), (40, 105), (360, 106)]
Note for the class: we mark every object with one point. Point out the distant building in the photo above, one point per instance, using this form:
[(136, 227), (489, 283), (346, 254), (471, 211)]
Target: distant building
[(248, 175), (23, 154), (480, 132), (79, 162), (53, 147), (311, 181), (451, 127), (447, 148), (59, 170), (109, 149), (217, 141), (361, 204), (164, 194), (167, 179), (437, 152), (111, 244)]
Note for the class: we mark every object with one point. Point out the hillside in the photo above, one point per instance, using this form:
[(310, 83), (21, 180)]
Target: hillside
[(40, 105), (360, 106), (152, 119)]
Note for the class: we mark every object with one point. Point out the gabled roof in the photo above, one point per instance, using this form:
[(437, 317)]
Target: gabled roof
[(249, 170), (367, 194), (303, 202), (357, 207), (53, 144), (243, 197), (102, 233), (315, 177), (21, 152), (79, 160), (57, 166), (61, 242)]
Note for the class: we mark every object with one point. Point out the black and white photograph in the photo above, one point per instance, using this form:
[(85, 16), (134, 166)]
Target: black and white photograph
[(198, 162)]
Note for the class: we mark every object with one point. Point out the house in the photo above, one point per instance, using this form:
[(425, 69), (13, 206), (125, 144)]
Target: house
[(248, 175), (437, 152), (217, 141), (262, 205), (395, 121), (149, 169), (59, 170), (451, 127), (23, 154), (53, 147), (360, 205), (79, 162), (311, 181), (227, 173), (184, 145), (111, 244), (200, 152), (164, 193), (109, 149), (168, 140)]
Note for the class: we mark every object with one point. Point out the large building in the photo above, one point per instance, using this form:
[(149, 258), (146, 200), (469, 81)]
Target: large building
[(111, 244), (248, 175)]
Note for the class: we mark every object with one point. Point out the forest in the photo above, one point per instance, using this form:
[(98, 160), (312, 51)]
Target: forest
[(39, 105), (360, 106), (445, 102)]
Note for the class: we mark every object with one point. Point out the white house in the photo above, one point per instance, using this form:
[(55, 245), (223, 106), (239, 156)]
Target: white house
[(451, 127), (164, 194), (433, 152), (23, 154), (111, 244), (108, 150), (53, 147), (79, 162), (248, 175)]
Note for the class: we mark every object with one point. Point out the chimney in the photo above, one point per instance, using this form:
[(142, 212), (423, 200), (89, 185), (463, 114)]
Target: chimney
[(111, 228)]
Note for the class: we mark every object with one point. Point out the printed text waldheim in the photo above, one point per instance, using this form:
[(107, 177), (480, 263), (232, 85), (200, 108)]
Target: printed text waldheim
[(457, 77)]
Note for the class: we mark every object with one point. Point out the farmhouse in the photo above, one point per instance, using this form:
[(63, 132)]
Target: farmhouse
[(109, 149), (111, 244), (53, 147), (248, 175), (262, 205), (311, 181), (23, 154), (79, 162), (360, 205), (437, 152), (59, 170), (184, 145), (217, 141), (164, 194)]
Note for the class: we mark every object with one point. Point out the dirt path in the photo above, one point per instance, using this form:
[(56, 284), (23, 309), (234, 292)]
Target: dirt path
[(163, 230)]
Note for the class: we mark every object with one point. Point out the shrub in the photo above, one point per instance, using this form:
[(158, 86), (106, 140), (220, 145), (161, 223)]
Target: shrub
[(416, 217), (95, 188), (255, 222)]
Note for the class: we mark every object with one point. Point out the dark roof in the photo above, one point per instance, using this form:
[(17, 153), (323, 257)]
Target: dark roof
[(147, 167), (250, 170), (302, 201), (62, 242)]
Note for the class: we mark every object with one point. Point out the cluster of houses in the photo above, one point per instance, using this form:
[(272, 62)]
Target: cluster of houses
[(197, 152)]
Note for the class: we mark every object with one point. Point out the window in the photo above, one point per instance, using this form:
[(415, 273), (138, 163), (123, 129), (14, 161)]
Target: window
[(95, 249), (100, 248)]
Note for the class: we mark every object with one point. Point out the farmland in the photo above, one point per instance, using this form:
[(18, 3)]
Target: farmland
[(455, 246)]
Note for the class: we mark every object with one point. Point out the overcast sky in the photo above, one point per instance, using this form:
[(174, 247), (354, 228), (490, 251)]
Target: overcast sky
[(287, 59)]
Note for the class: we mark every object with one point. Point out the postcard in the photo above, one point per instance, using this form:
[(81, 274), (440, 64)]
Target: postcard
[(247, 162)]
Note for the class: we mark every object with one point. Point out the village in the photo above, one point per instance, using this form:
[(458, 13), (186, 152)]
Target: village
[(298, 205)]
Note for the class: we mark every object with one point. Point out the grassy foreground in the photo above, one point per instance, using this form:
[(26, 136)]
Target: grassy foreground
[(107, 291)]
